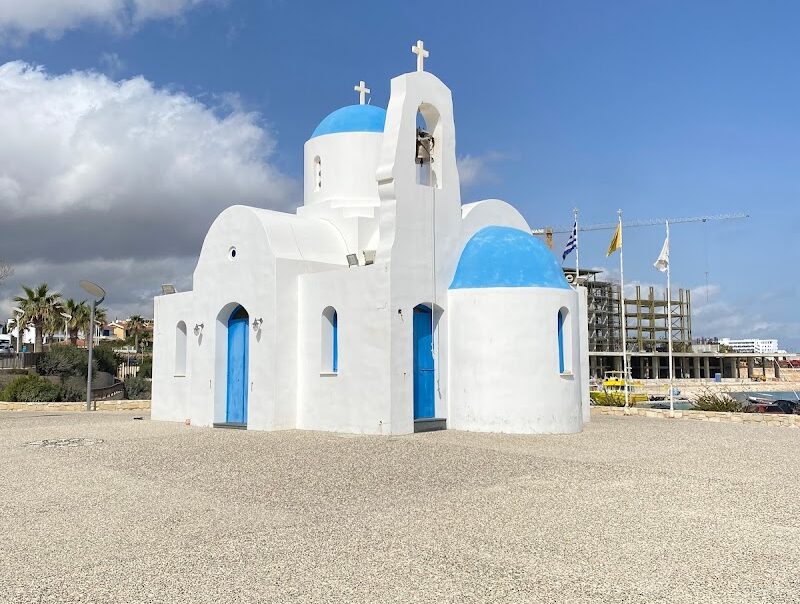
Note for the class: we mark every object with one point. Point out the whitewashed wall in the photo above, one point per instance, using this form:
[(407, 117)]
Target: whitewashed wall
[(356, 398), (504, 369), (171, 392)]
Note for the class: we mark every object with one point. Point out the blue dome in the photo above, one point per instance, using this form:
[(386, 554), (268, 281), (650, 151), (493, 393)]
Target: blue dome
[(353, 118), (498, 256)]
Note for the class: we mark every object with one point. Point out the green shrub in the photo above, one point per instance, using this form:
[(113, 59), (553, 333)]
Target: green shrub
[(31, 389), (137, 387), (73, 389), (607, 398), (107, 360), (146, 368), (64, 361), (712, 400)]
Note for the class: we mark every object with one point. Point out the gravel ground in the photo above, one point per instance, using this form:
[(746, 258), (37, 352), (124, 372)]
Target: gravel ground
[(632, 510)]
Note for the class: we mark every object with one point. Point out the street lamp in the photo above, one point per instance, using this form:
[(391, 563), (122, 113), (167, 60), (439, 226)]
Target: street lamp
[(67, 319), (19, 313), (98, 295)]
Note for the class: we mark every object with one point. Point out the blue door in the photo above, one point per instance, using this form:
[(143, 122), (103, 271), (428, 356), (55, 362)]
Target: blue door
[(236, 410), (423, 363)]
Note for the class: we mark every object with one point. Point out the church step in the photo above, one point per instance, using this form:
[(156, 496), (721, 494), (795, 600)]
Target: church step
[(430, 424), (231, 425)]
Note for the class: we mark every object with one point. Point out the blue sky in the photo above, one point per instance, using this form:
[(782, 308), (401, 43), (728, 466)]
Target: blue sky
[(658, 108)]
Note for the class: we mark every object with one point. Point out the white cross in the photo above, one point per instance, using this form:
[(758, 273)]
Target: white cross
[(362, 91), (421, 53)]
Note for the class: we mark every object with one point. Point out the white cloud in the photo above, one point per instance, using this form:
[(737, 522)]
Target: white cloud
[(475, 169), (21, 18), (95, 170), (83, 141)]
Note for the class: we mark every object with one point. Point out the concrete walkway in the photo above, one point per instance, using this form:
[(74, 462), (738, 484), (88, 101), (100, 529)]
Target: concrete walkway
[(632, 510)]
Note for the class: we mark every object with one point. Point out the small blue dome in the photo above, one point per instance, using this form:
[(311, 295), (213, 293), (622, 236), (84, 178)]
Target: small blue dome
[(353, 118), (498, 256)]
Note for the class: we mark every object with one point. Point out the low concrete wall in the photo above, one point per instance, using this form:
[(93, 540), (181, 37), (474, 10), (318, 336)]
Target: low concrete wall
[(767, 419), (107, 405)]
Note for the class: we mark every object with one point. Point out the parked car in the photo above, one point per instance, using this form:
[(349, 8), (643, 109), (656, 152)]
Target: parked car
[(5, 349)]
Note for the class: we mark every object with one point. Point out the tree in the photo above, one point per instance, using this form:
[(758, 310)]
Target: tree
[(79, 312), (39, 306), (135, 326), (84, 316)]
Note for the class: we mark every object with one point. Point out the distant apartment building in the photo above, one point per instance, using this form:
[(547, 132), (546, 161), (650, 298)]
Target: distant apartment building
[(752, 345)]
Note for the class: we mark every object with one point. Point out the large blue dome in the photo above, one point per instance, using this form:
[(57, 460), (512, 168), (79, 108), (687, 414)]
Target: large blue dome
[(353, 118), (498, 256)]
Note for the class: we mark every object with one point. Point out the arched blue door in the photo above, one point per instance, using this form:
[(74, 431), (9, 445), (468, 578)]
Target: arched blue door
[(236, 409), (423, 363)]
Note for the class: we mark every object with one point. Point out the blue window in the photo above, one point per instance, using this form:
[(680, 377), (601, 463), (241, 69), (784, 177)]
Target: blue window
[(564, 335), (335, 342), (329, 341)]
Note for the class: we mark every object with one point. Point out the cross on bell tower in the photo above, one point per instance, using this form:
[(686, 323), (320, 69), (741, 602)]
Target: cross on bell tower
[(422, 54), (362, 91)]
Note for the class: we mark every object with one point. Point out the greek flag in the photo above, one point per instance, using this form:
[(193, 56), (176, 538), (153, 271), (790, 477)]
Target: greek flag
[(572, 242)]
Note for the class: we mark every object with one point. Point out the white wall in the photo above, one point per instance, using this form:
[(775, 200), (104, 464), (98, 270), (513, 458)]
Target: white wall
[(356, 398), (504, 369), (348, 197), (272, 249), (171, 392), (583, 324)]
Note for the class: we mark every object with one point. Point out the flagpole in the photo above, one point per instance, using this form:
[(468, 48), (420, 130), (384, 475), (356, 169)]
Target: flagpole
[(669, 335), (623, 326), (577, 250)]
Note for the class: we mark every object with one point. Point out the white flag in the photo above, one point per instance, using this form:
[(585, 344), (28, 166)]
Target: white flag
[(663, 258)]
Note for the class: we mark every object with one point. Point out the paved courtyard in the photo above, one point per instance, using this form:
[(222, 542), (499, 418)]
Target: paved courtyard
[(632, 510)]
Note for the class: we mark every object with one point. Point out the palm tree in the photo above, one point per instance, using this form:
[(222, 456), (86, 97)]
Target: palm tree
[(39, 306), (83, 317), (135, 326), (79, 312)]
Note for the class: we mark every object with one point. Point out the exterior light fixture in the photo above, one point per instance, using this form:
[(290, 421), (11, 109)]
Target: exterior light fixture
[(369, 256), (168, 288), (257, 324), (98, 295), (352, 260), (67, 319), (20, 328), (198, 329)]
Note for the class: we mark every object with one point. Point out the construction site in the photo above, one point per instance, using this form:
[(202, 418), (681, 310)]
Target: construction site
[(647, 329), (651, 318)]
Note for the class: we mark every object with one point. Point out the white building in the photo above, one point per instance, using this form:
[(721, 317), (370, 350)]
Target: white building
[(752, 345), (383, 305)]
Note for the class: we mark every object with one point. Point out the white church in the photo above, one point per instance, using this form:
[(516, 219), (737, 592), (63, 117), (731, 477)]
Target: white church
[(383, 305)]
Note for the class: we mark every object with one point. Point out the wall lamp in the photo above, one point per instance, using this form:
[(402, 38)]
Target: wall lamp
[(198, 329), (257, 324)]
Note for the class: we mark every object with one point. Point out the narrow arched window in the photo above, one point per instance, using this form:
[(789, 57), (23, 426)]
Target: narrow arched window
[(180, 349), (564, 335), (329, 341)]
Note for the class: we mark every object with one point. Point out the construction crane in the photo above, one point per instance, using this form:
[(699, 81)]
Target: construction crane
[(549, 231)]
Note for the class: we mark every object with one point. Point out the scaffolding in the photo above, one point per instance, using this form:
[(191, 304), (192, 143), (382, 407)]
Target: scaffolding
[(645, 318), (647, 325), (604, 316)]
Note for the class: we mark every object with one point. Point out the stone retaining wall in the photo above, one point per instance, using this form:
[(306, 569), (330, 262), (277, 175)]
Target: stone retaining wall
[(766, 419), (106, 405)]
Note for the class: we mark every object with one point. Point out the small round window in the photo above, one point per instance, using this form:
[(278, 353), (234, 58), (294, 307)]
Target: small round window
[(232, 253)]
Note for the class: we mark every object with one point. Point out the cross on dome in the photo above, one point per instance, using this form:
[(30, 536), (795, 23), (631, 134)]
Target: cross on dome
[(362, 91), (422, 54)]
